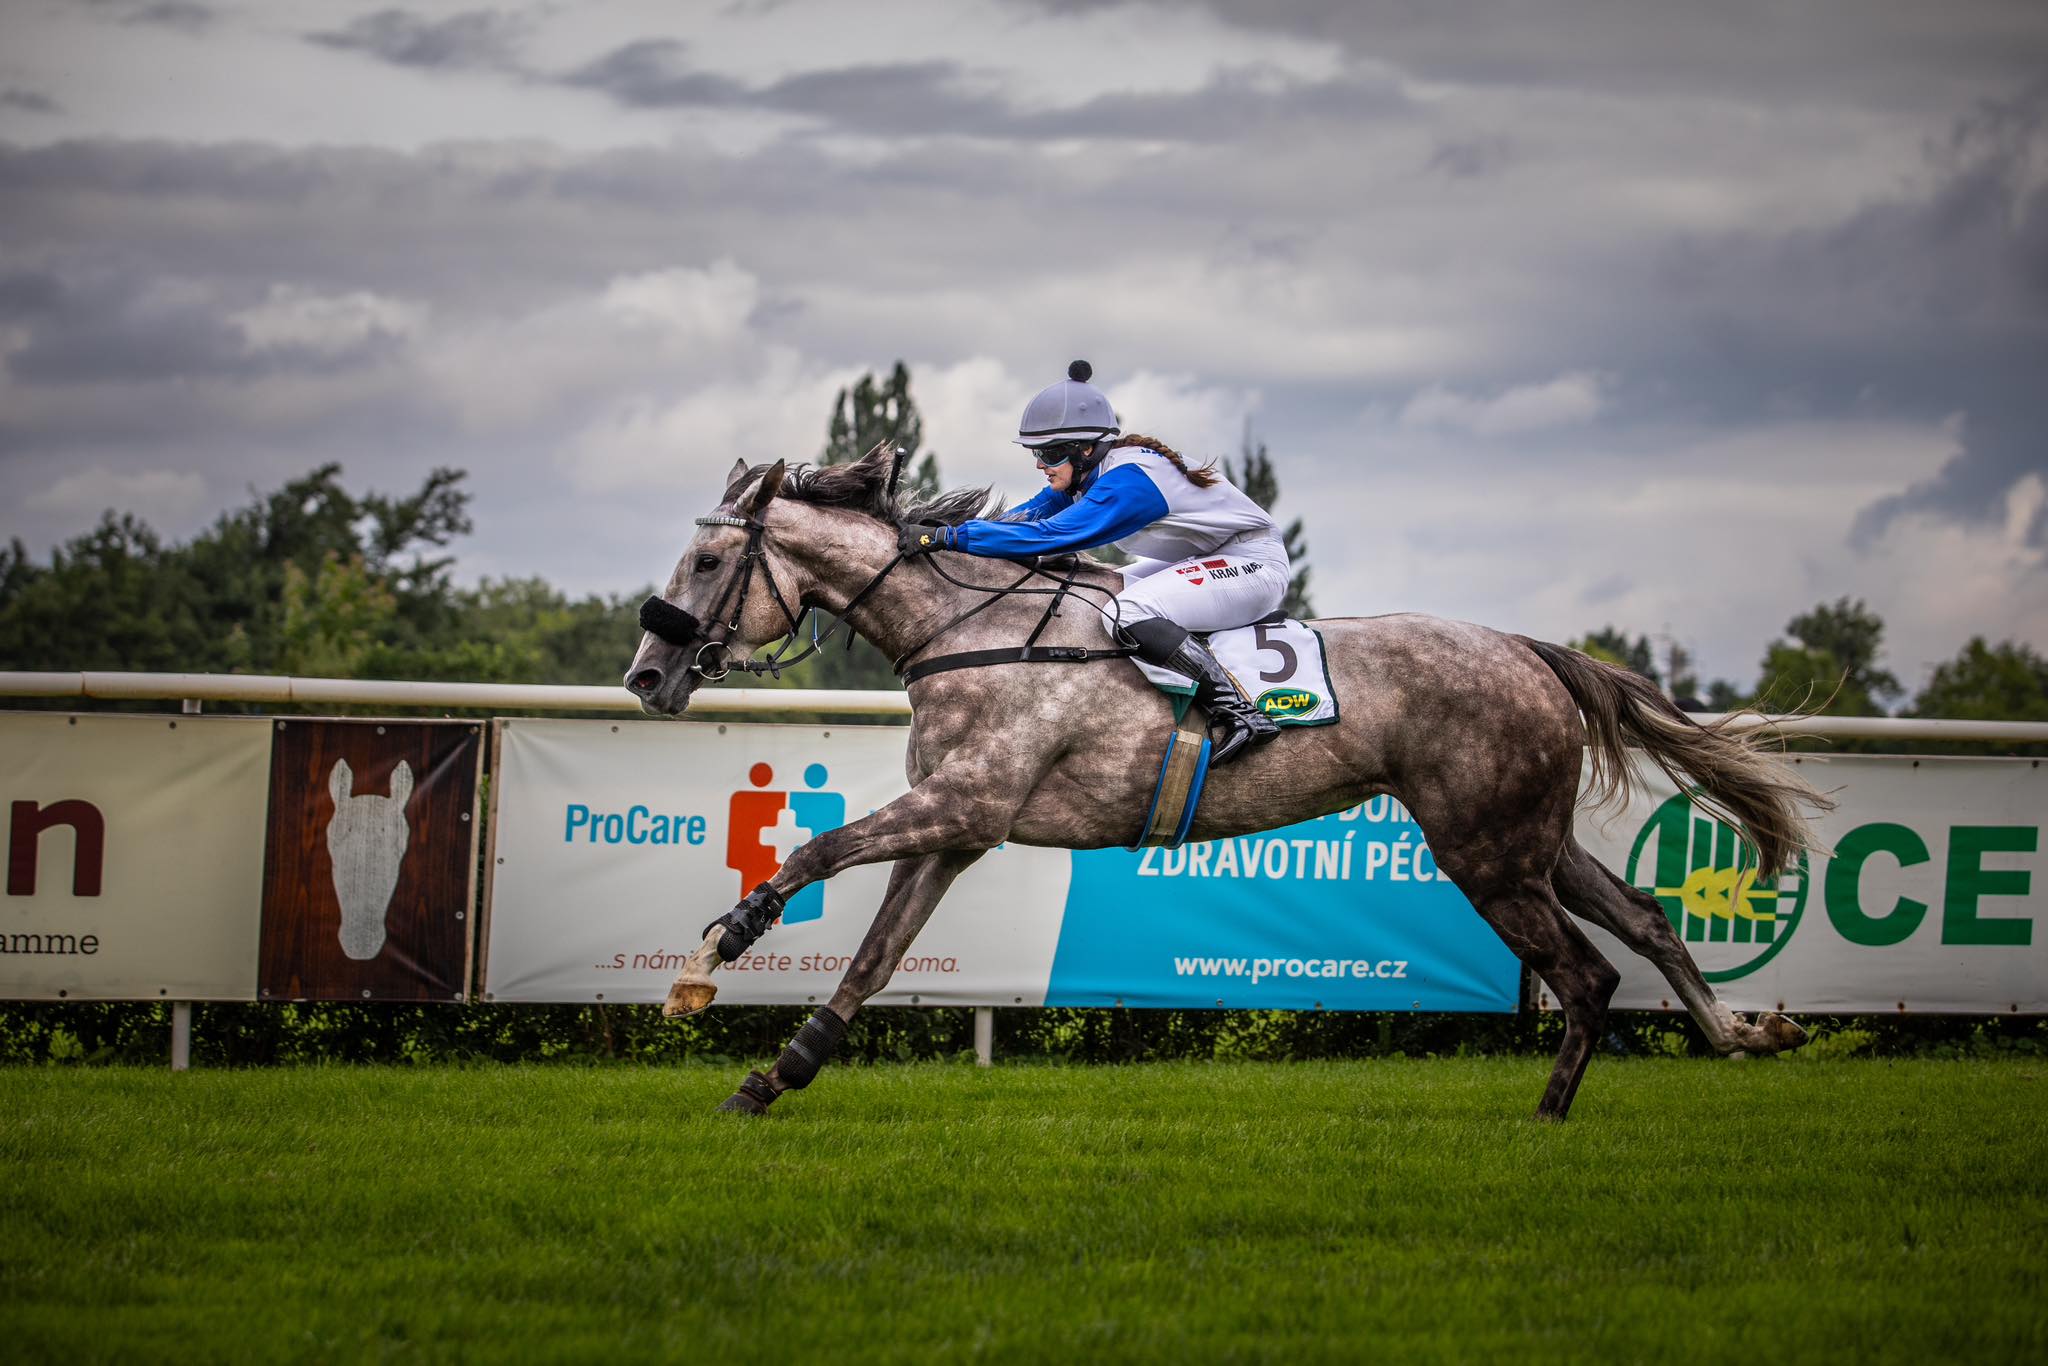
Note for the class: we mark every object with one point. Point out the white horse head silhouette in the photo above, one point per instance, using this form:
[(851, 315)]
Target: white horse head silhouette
[(366, 841)]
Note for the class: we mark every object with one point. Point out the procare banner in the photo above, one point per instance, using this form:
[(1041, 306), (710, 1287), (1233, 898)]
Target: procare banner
[(614, 844), (1928, 899), (134, 856)]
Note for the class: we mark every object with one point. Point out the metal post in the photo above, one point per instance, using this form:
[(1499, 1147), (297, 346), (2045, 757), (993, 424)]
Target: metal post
[(985, 1035), (181, 1035), (191, 706)]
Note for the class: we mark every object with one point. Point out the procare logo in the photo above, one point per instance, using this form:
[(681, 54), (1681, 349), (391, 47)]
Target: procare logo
[(764, 826), (1705, 876)]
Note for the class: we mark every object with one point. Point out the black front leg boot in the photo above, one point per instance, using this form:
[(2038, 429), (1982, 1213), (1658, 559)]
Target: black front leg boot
[(754, 1097), (746, 922), (1169, 646)]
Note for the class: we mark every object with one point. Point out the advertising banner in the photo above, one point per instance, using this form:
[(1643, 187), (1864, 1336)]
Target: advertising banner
[(613, 845), (134, 856), (370, 860), (1929, 898)]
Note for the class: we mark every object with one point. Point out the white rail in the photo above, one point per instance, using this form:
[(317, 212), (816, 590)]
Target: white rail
[(278, 689), (364, 692)]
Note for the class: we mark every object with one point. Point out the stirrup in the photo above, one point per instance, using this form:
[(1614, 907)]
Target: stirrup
[(1243, 728)]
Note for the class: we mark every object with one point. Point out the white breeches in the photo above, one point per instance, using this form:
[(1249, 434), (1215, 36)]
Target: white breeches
[(1203, 593)]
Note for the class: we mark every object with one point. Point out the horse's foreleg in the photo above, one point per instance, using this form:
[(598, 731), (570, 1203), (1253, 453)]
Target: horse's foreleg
[(915, 886), (968, 808), (1634, 917)]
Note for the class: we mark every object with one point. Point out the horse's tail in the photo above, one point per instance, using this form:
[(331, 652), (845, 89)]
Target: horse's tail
[(1728, 774)]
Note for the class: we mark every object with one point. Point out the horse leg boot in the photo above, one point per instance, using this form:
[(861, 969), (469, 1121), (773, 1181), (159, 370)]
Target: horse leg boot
[(915, 886), (725, 939), (1167, 645)]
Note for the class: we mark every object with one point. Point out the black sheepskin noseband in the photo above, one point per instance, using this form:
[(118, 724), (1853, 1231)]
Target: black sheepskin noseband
[(666, 621)]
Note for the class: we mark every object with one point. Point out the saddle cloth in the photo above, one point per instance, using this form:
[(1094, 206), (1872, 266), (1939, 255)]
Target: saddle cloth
[(1276, 662)]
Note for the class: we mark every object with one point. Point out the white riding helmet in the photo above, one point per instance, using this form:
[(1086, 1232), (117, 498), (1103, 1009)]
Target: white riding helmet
[(1072, 410)]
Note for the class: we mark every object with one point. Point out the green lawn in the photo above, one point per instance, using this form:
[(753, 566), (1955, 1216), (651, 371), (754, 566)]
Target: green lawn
[(1761, 1212)]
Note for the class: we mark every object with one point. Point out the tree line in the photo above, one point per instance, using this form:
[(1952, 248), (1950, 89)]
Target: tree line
[(1828, 662)]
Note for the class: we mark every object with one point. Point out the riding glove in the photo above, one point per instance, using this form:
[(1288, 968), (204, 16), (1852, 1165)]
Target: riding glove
[(915, 539)]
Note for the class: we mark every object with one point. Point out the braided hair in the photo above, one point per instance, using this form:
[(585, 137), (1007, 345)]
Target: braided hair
[(1202, 476)]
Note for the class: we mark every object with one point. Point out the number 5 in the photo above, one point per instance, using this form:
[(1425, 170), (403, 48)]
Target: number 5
[(1278, 647)]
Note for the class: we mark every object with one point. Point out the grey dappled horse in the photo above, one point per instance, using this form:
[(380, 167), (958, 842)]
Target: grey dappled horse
[(1479, 734)]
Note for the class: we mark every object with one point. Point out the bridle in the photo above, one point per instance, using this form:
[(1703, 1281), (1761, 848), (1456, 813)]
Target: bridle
[(666, 621)]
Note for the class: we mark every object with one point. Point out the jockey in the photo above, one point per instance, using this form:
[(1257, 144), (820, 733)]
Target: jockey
[(1210, 558)]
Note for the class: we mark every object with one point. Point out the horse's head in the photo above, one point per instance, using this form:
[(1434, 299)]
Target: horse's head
[(719, 605)]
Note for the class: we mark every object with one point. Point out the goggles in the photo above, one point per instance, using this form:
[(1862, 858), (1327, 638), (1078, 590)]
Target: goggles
[(1059, 452)]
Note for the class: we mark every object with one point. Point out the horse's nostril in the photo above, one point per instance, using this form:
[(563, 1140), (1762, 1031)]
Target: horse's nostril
[(646, 681)]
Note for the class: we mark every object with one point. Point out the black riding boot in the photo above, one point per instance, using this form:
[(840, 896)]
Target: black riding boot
[(1169, 646)]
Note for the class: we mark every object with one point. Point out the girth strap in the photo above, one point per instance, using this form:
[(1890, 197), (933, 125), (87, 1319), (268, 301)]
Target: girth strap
[(1030, 654)]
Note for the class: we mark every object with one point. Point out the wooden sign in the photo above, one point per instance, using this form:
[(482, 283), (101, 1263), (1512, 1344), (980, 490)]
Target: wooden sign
[(369, 869)]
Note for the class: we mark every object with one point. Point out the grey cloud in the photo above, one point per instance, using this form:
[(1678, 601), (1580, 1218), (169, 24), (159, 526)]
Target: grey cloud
[(936, 99), (24, 293), (1882, 53), (182, 15), (1470, 158), (1926, 303), (28, 101), (650, 74), (472, 40), (110, 328)]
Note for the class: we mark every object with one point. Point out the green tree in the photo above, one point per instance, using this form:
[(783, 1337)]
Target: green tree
[(309, 576), (872, 412), (1830, 662), (868, 412), (1254, 475), (1614, 647), (2003, 682)]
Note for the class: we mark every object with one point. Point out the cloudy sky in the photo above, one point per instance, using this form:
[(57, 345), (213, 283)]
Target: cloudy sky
[(1554, 318)]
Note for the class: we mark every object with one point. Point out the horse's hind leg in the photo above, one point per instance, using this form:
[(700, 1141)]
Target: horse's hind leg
[(915, 887), (1589, 890), (1525, 913), (1534, 926)]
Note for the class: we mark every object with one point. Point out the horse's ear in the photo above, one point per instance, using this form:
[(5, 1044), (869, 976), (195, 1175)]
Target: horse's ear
[(401, 782), (771, 484), (739, 470), (340, 779)]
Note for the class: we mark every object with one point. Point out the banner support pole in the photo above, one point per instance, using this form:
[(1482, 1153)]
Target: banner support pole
[(985, 1036), (181, 1035)]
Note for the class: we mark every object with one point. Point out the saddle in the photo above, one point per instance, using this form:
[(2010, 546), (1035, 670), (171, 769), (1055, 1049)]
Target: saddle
[(1285, 660), (1278, 665)]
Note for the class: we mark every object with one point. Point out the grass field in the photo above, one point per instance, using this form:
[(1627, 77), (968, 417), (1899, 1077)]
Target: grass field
[(1392, 1210)]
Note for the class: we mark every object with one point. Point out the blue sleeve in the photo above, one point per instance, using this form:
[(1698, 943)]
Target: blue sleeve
[(1043, 504), (1122, 501)]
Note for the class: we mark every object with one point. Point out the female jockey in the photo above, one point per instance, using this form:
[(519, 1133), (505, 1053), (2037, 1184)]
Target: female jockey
[(1210, 558)]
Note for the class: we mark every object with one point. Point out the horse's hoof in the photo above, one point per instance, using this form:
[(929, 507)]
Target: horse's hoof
[(751, 1099), (1783, 1034), (687, 998)]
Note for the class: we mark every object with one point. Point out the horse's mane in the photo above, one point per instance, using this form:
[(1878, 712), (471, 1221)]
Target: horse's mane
[(863, 487)]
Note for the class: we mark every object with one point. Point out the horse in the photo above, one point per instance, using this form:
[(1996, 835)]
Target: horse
[(1478, 733)]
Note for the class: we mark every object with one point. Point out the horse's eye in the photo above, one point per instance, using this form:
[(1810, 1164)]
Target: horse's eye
[(706, 563)]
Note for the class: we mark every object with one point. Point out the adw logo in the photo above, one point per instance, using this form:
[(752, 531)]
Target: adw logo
[(764, 825)]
